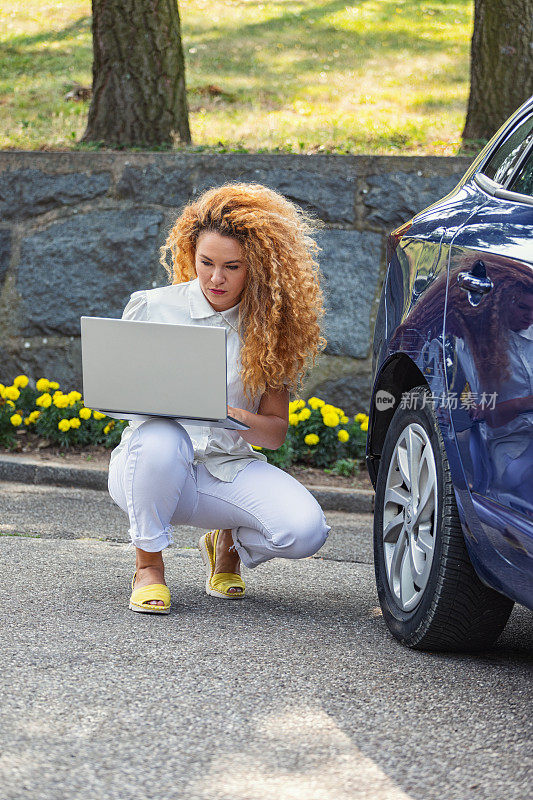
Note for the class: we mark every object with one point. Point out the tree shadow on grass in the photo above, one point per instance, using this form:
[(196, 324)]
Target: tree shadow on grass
[(81, 25), (312, 44), (24, 55)]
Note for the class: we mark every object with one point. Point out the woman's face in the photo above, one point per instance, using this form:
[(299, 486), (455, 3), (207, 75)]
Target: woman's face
[(220, 265), (520, 311)]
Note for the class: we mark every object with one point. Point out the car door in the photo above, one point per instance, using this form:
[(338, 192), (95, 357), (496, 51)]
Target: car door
[(489, 354)]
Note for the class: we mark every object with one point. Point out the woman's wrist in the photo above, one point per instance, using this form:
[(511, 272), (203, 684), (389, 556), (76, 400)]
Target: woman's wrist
[(241, 414), (524, 404), (264, 430)]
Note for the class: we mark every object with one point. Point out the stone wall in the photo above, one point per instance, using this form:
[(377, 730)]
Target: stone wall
[(80, 231)]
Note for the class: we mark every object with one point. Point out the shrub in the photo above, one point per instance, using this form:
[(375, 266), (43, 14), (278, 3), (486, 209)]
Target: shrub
[(320, 435), (345, 467), (61, 418)]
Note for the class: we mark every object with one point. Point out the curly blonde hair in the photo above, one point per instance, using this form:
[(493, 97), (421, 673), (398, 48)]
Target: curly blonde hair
[(282, 302)]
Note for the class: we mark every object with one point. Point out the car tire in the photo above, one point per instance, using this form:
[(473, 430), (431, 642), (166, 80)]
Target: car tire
[(430, 595)]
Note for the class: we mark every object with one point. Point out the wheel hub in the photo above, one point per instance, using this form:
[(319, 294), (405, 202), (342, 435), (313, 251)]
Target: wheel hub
[(409, 516)]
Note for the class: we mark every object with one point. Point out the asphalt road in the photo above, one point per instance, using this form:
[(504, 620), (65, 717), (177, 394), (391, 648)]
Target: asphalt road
[(297, 692)]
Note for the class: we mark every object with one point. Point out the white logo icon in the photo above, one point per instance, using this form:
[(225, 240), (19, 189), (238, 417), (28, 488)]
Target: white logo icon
[(384, 400)]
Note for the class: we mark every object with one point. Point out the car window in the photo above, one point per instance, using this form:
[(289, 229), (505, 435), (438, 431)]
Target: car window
[(500, 166), (523, 183)]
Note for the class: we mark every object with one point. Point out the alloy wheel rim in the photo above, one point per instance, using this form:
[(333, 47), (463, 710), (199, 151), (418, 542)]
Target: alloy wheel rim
[(409, 516)]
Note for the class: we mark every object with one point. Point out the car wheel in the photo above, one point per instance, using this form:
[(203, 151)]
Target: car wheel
[(430, 595)]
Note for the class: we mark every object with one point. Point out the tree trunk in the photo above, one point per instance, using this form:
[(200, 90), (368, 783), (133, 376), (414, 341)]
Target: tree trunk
[(501, 64), (139, 93)]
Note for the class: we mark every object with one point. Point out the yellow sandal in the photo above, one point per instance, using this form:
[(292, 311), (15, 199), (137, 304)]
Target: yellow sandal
[(218, 585), (140, 598)]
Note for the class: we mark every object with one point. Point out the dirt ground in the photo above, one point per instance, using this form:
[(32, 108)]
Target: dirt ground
[(97, 457)]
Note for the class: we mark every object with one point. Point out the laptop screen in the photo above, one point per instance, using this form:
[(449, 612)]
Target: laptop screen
[(154, 368)]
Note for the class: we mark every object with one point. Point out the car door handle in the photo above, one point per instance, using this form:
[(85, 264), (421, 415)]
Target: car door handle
[(476, 282), (470, 283)]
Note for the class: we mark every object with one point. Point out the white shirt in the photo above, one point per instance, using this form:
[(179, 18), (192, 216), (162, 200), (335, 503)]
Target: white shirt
[(224, 452)]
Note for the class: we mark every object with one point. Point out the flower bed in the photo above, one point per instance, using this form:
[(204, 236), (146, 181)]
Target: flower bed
[(319, 434)]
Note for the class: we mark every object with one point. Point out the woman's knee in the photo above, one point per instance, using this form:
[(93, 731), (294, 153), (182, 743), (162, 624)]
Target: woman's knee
[(304, 532), (161, 440)]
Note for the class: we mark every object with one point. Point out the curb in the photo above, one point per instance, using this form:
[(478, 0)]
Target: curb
[(25, 470), (14, 468)]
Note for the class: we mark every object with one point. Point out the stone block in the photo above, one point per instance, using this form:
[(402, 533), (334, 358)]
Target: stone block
[(86, 265), (9, 366), (5, 253), (29, 192), (395, 197), (331, 196), (169, 187), (351, 392), (349, 265), (57, 362)]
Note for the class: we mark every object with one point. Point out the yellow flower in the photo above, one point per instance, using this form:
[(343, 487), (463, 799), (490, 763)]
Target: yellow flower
[(99, 415), (360, 417), (293, 419), (27, 421), (311, 439), (344, 419), (2, 387), (11, 393), (304, 414), (107, 429), (44, 400), (315, 402), (364, 425), (343, 435), (328, 409), (54, 385), (74, 395), (75, 422), (331, 420), (21, 380), (85, 413), (63, 424), (15, 419), (10, 403), (34, 416), (256, 447), (296, 405), (42, 385), (61, 401)]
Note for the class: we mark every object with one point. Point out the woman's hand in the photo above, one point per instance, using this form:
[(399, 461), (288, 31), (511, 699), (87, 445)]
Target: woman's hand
[(477, 412), (267, 428), (239, 414)]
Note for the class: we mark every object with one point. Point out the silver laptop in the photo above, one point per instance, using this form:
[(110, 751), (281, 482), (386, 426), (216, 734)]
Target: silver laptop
[(136, 370)]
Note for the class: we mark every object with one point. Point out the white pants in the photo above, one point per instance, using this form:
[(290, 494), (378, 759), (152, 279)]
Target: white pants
[(155, 482)]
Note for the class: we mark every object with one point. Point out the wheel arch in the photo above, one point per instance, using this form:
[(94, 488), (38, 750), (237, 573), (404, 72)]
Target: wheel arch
[(397, 375)]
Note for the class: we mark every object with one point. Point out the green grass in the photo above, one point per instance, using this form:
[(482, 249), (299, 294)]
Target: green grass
[(370, 76)]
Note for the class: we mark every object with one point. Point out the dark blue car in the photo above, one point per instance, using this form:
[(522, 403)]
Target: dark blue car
[(450, 436)]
